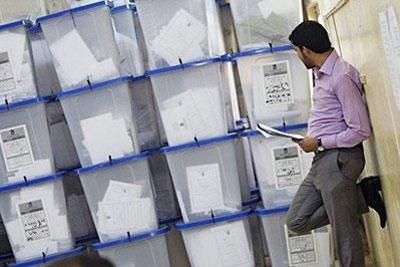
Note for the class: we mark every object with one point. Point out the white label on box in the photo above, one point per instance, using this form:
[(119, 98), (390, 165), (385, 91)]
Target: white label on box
[(287, 167), (205, 188), (301, 248), (16, 147), (7, 82), (232, 244), (34, 220)]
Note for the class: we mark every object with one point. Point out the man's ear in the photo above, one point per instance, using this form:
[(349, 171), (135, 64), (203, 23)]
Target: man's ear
[(307, 52)]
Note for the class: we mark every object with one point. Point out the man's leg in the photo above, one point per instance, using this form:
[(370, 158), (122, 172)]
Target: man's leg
[(335, 177), (307, 211)]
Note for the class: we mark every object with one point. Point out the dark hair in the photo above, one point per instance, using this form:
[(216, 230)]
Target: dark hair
[(82, 261), (312, 35)]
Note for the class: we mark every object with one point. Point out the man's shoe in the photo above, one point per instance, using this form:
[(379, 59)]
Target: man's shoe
[(370, 187)]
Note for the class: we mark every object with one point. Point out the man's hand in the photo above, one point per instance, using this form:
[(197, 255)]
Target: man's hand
[(308, 144)]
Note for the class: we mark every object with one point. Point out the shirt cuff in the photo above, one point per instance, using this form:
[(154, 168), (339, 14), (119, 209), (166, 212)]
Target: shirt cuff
[(329, 141)]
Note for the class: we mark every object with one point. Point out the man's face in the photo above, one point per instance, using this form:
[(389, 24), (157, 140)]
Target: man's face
[(304, 58)]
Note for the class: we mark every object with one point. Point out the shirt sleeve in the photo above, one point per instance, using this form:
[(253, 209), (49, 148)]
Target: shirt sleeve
[(355, 115)]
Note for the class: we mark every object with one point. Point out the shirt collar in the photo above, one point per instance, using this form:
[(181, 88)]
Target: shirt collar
[(329, 64)]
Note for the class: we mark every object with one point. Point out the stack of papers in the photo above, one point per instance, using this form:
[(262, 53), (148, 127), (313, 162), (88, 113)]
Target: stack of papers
[(39, 224), (123, 209), (181, 39), (193, 113), (105, 136)]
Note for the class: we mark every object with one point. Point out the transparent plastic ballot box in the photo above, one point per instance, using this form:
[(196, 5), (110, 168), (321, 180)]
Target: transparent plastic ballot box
[(12, 11), (191, 101), (221, 241), (287, 248), (276, 86), (101, 121), (206, 178), (24, 141), (35, 217), (280, 165), (50, 259), (148, 249), (80, 3), (259, 23), (120, 195), (180, 31), (126, 29), (17, 80), (82, 44)]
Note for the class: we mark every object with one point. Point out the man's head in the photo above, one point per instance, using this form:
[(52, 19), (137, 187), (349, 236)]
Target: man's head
[(310, 40)]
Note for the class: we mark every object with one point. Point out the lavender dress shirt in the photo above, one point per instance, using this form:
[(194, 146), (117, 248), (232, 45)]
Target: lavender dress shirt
[(339, 115)]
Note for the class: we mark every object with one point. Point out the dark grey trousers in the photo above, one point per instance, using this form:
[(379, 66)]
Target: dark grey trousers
[(329, 194)]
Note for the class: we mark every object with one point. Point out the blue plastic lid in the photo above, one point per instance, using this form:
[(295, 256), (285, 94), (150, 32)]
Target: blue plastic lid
[(183, 66), (129, 6), (255, 191), (112, 163), (33, 181), (131, 239), (72, 10), (200, 143), (23, 103), (94, 86), (49, 258), (266, 50), (287, 128), (205, 222), (24, 23), (277, 210)]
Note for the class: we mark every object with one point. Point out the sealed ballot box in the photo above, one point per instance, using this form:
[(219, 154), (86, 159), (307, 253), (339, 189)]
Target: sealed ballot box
[(25, 142), (206, 178), (281, 166), (191, 103), (82, 44), (221, 241), (17, 80), (178, 31), (276, 87), (287, 248), (100, 119), (259, 23), (35, 217), (120, 196), (148, 249), (127, 34)]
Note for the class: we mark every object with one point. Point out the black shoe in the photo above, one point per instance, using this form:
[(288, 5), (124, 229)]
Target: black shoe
[(370, 187)]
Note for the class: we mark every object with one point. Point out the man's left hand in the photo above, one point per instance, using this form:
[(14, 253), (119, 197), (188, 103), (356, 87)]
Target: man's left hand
[(308, 144)]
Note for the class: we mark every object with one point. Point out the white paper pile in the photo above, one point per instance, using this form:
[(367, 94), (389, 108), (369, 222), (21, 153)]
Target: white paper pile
[(123, 209), (105, 136), (16, 78), (79, 63), (193, 113), (181, 38), (39, 224)]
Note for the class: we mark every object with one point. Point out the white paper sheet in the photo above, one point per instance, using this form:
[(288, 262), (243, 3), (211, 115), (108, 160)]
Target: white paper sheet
[(118, 191), (14, 44), (34, 220), (268, 131), (287, 167), (180, 38), (301, 248), (79, 62), (104, 136), (232, 244), (205, 188), (16, 147), (7, 80), (120, 217)]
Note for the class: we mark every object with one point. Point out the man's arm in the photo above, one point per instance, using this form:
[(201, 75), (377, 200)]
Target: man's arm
[(355, 115)]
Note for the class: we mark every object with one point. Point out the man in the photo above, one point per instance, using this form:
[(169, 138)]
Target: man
[(337, 126)]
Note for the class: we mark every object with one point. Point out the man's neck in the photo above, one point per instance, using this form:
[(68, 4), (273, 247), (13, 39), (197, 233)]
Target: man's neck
[(321, 58)]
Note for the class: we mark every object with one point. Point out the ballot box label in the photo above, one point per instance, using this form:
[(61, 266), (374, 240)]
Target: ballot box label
[(34, 220), (301, 248), (287, 167), (7, 82), (16, 147)]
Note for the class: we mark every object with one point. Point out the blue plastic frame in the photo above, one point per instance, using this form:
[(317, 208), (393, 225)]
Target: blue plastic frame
[(266, 212)]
